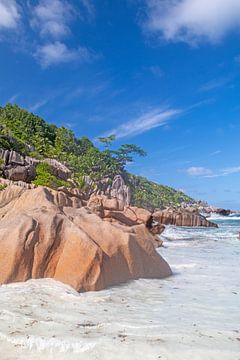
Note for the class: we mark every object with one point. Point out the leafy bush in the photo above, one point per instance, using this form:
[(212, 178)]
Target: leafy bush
[(45, 177)]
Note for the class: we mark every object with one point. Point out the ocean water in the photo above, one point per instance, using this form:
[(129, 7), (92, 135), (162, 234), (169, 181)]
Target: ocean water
[(195, 314)]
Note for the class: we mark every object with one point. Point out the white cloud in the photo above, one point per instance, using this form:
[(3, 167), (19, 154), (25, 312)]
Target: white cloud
[(57, 52), (51, 21), (192, 21), (9, 14), (145, 122), (51, 18), (198, 171), (231, 170)]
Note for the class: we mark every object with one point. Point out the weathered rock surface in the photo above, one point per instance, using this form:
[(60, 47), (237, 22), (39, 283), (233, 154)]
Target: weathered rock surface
[(120, 191), (181, 217), (22, 184), (20, 173), (59, 169), (112, 189), (110, 210), (47, 233), (212, 209), (223, 212), (22, 168)]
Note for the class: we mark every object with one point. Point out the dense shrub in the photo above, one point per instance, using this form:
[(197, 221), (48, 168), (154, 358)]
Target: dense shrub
[(45, 177)]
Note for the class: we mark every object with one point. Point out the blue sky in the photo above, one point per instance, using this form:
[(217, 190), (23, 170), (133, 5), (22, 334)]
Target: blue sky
[(162, 74)]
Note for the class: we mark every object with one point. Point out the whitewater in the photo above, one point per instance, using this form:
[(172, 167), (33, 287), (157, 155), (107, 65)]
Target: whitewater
[(195, 314)]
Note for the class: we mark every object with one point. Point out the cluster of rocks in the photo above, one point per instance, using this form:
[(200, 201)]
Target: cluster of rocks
[(113, 211), (112, 188), (16, 167), (182, 217), (88, 242), (59, 169), (211, 209), (57, 234)]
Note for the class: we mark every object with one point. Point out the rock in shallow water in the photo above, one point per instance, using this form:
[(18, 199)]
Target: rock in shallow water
[(181, 217), (44, 233)]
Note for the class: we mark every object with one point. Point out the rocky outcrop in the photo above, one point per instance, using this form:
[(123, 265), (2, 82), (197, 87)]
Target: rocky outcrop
[(95, 205), (115, 188), (15, 167), (25, 173), (59, 169), (47, 233), (120, 191), (22, 184), (181, 217), (212, 209), (223, 212), (110, 210), (22, 168), (4, 156)]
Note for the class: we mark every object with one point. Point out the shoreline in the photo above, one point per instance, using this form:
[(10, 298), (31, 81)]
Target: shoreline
[(184, 316)]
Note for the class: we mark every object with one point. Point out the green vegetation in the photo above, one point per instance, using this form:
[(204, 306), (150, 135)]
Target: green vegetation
[(46, 177), (2, 186), (30, 135), (23, 131), (151, 195)]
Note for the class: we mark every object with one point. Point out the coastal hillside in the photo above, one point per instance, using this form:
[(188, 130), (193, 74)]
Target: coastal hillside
[(150, 195), (29, 135)]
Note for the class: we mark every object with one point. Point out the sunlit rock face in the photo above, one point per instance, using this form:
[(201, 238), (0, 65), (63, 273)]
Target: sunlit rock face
[(47, 233), (17, 167), (182, 217)]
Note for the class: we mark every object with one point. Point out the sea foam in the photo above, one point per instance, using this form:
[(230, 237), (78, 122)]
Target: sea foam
[(192, 315)]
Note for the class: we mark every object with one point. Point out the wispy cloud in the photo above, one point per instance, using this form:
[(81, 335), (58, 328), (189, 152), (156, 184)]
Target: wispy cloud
[(58, 52), (39, 104), (87, 91), (208, 173), (231, 170), (145, 122), (225, 172), (198, 171), (12, 99), (9, 14), (89, 7), (215, 84), (217, 152), (192, 21), (156, 71)]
